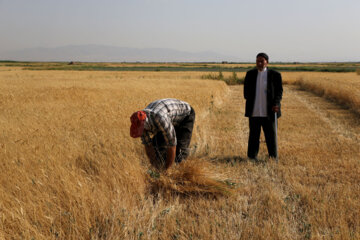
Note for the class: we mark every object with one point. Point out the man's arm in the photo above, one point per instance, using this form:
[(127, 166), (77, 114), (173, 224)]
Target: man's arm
[(170, 157), (150, 152), (278, 88), (246, 84), (278, 91)]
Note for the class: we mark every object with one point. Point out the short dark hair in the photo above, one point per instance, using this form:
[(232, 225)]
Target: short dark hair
[(264, 55)]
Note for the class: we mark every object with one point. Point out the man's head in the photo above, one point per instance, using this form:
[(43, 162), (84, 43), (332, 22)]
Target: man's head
[(137, 124), (262, 60)]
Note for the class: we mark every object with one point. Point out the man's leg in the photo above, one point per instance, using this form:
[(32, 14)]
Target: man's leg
[(270, 137), (254, 136), (183, 136)]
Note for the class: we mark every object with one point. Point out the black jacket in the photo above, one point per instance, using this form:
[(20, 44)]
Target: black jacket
[(274, 91)]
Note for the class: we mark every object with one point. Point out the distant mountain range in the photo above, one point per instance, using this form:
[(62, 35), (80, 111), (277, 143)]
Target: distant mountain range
[(101, 53)]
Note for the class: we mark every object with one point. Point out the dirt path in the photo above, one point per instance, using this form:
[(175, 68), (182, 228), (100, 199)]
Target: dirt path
[(341, 121)]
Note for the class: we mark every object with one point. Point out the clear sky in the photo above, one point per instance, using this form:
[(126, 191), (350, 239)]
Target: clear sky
[(288, 30)]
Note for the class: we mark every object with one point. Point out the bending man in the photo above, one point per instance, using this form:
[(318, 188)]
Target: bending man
[(165, 127)]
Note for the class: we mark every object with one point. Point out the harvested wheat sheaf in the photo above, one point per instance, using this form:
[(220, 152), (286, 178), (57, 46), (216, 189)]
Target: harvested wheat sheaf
[(191, 177)]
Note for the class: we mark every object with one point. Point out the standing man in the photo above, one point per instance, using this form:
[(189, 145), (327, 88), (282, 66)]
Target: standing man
[(263, 93), (170, 122)]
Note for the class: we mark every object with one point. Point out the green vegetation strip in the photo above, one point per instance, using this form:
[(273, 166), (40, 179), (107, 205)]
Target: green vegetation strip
[(315, 69), (141, 68), (180, 67), (196, 69)]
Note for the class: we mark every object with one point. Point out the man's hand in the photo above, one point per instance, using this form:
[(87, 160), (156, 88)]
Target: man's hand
[(276, 109), (170, 157)]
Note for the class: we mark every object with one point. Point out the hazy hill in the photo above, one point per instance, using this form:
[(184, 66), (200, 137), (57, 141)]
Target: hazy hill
[(93, 53)]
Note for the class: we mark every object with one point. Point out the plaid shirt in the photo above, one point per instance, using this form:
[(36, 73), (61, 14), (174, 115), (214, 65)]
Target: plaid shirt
[(163, 115)]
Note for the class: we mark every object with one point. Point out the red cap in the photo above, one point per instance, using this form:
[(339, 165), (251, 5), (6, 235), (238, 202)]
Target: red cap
[(137, 123)]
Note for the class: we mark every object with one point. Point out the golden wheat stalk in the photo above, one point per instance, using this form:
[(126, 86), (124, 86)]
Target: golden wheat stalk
[(191, 177)]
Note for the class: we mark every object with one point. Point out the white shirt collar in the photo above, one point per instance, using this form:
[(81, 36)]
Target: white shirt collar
[(265, 69)]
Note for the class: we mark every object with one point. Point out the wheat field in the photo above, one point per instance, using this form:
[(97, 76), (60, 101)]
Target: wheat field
[(70, 170)]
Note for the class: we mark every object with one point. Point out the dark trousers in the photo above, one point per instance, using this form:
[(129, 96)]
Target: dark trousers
[(183, 135), (268, 126)]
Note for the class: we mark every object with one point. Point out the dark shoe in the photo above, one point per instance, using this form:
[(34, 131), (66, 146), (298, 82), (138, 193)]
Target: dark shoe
[(255, 160), (274, 159)]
